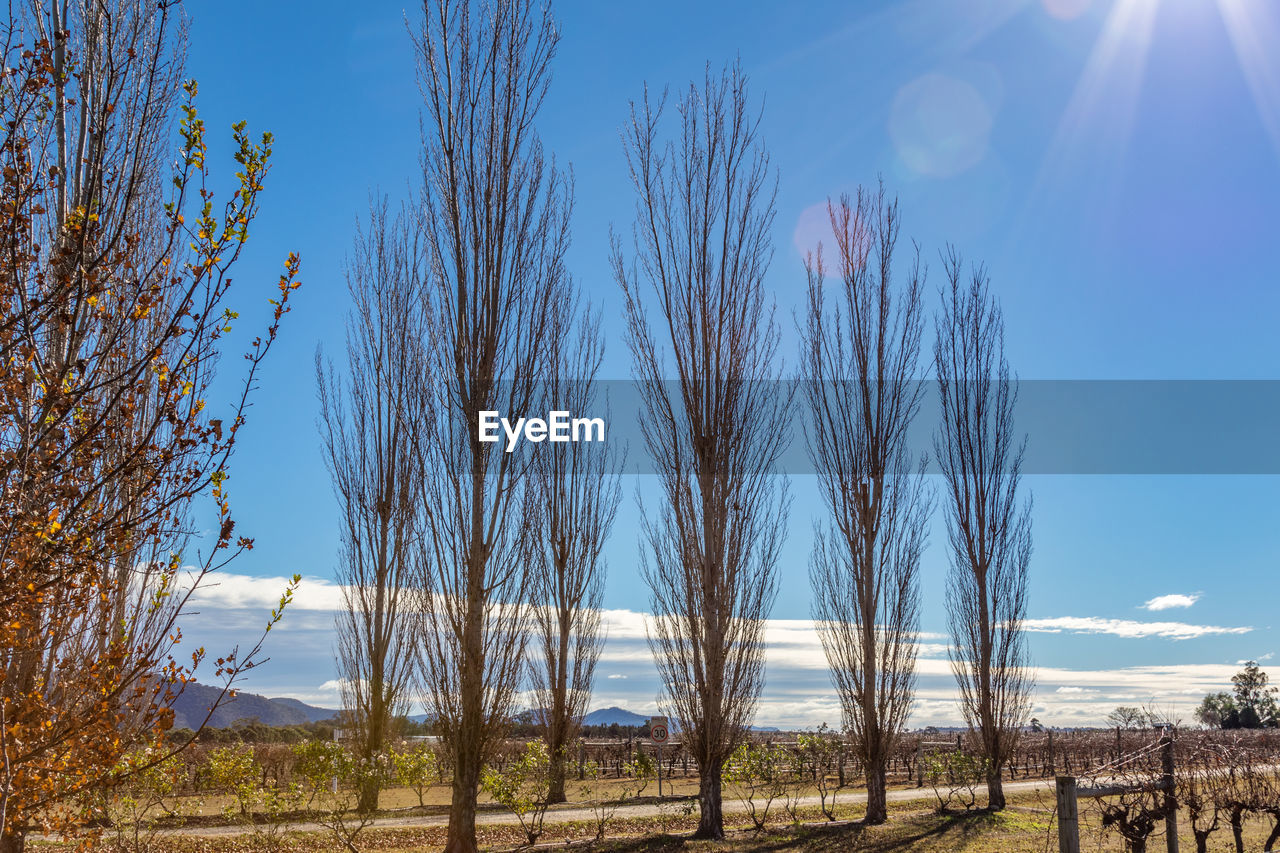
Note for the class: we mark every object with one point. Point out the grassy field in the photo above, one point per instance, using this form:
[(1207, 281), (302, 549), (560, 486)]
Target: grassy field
[(1026, 827)]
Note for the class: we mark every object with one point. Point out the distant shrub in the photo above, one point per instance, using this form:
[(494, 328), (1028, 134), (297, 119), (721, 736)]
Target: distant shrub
[(523, 787), (955, 778)]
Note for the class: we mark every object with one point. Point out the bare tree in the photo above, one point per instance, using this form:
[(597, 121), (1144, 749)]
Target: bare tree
[(128, 57), (715, 431), (989, 531), (495, 219), (370, 420), (577, 490), (859, 362)]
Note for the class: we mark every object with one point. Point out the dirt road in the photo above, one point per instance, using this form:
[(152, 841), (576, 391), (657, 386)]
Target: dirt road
[(575, 812)]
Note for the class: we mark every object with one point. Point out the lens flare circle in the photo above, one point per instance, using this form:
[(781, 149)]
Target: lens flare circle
[(1066, 10), (939, 125)]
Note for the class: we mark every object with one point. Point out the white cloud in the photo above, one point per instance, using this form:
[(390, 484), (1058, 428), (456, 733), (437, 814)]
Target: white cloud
[(797, 692), (1168, 602), (1259, 659), (232, 591), (624, 624), (1127, 628)]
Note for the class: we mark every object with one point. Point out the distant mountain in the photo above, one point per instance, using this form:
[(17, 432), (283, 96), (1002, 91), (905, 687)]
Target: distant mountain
[(623, 717), (609, 716), (314, 714), (599, 717), (196, 699)]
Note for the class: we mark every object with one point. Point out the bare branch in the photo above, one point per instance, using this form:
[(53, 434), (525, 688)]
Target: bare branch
[(988, 530), (859, 362), (370, 419), (496, 228), (578, 489)]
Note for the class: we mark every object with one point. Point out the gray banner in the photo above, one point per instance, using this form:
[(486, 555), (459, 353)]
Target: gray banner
[(1072, 426)]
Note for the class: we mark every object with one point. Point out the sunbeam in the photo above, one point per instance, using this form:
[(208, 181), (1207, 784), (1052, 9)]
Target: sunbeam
[(1102, 107), (1255, 30)]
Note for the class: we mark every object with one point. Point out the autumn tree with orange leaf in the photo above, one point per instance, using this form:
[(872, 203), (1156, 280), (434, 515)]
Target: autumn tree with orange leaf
[(114, 284)]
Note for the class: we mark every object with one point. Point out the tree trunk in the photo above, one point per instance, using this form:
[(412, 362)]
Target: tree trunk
[(995, 788), (370, 784), (12, 843), (462, 809), (558, 724), (467, 746), (710, 811), (369, 790), (555, 788), (877, 804), (1137, 845), (1274, 836)]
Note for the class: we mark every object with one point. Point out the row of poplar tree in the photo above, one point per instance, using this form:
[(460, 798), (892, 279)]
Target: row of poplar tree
[(470, 571)]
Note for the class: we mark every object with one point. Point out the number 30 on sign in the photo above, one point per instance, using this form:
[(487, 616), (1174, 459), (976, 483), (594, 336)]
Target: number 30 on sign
[(658, 730)]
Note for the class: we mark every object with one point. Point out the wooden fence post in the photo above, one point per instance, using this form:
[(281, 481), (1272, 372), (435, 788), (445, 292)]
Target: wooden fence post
[(1068, 815), (1051, 768), (920, 763), (1170, 794), (582, 759)]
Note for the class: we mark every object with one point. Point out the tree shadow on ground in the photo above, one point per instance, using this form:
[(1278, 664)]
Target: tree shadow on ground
[(942, 832), (932, 832)]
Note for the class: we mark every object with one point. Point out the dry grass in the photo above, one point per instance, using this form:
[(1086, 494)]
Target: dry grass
[(1026, 827), (436, 798)]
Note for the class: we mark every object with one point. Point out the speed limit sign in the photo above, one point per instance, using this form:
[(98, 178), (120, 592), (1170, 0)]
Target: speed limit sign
[(658, 733), (658, 730)]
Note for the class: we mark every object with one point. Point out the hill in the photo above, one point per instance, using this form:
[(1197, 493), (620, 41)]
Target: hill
[(313, 713), (194, 703), (610, 716)]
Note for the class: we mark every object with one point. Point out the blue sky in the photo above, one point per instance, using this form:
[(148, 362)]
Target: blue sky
[(1114, 163)]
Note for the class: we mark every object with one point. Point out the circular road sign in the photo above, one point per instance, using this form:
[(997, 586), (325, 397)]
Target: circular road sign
[(658, 731)]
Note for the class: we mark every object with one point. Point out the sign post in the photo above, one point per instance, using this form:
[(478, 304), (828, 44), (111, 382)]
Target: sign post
[(337, 733), (658, 733)]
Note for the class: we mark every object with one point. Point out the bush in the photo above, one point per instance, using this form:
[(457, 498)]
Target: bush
[(523, 787), (416, 768), (955, 778), (232, 770), (343, 817), (635, 778), (318, 763), (760, 775), (822, 752), (262, 809), (135, 805)]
